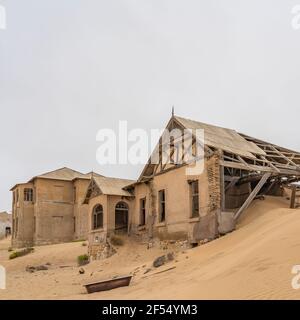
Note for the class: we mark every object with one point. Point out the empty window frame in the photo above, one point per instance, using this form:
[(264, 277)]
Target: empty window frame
[(74, 194), (28, 194), (98, 217), (16, 227), (194, 191), (142, 212), (162, 205)]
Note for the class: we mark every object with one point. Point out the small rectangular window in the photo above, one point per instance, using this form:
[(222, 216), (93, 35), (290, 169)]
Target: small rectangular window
[(162, 205), (28, 194), (142, 212), (74, 195), (17, 226), (194, 191), (17, 195)]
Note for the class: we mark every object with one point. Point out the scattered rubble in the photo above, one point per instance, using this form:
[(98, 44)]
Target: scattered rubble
[(101, 251), (147, 270), (32, 269), (81, 271), (158, 262)]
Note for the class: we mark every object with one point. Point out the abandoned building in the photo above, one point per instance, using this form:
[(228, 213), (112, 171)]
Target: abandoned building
[(170, 204), (109, 209), (49, 208), (167, 203), (5, 224), (169, 200)]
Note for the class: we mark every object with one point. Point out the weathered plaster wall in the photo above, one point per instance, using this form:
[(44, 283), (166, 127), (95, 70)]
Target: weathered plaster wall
[(98, 235), (23, 221), (80, 209), (53, 211), (178, 223), (56, 214)]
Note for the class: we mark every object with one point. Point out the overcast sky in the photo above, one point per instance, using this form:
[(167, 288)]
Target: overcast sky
[(69, 68)]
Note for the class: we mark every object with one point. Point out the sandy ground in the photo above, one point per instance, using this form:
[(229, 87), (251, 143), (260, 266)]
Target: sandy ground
[(254, 262)]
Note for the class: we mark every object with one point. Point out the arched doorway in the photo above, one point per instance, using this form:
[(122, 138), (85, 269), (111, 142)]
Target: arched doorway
[(121, 217)]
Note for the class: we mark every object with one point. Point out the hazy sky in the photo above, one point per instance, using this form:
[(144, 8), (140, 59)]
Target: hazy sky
[(69, 68)]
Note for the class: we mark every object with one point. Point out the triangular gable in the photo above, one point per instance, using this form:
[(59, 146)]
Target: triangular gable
[(93, 190), (151, 169)]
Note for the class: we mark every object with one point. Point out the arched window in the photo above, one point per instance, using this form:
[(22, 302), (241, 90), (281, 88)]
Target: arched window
[(98, 217), (122, 206)]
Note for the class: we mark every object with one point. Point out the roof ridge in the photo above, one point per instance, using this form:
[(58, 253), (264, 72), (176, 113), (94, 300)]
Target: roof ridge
[(209, 124), (106, 177), (59, 169)]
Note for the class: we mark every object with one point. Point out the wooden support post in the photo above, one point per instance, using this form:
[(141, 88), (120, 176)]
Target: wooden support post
[(293, 198), (253, 194), (222, 183), (232, 183)]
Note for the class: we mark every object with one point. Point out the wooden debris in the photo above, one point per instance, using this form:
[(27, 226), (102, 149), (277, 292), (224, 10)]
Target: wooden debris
[(165, 270), (108, 284)]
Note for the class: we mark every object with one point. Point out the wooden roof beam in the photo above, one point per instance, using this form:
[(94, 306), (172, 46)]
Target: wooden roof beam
[(286, 158)]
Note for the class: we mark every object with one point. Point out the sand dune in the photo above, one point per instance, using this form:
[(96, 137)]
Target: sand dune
[(253, 262)]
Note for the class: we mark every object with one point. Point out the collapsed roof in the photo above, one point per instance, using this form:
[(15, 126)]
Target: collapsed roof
[(239, 151)]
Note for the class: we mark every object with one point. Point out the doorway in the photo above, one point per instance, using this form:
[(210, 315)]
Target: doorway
[(121, 217)]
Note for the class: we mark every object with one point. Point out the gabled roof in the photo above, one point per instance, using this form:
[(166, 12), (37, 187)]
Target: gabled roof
[(239, 151), (113, 186), (108, 186), (88, 176), (222, 138), (64, 174)]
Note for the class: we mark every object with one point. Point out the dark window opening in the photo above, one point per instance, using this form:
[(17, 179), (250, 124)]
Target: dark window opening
[(98, 217), (7, 231), (162, 205), (17, 226), (28, 194), (74, 195), (194, 186), (143, 212)]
